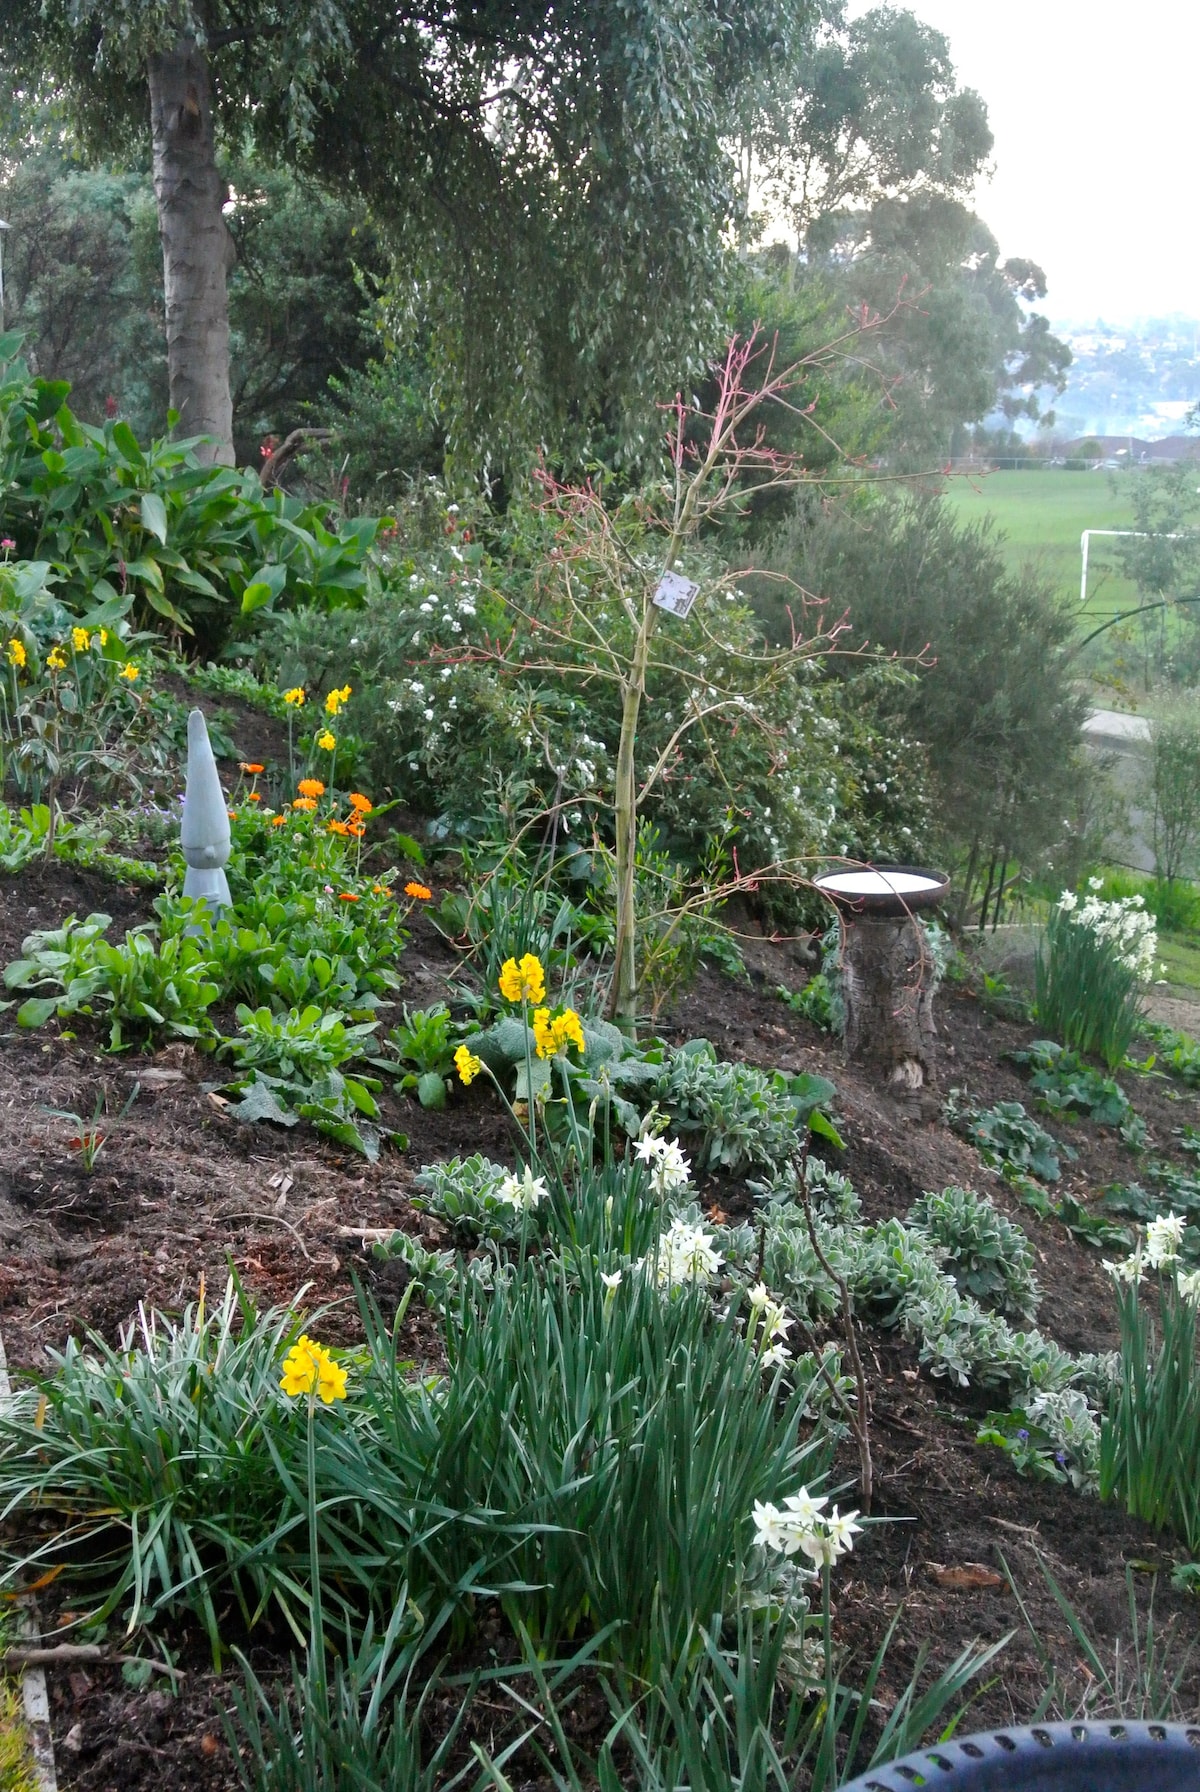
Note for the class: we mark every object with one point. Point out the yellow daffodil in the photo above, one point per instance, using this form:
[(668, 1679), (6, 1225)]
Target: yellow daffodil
[(336, 700), (467, 1064), (79, 640), (295, 697), (555, 1035), (130, 671), (327, 742), (524, 982), (16, 652), (308, 1368), (56, 660)]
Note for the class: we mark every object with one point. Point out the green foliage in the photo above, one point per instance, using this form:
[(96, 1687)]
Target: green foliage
[(1066, 1085), (1174, 792), (986, 1253), (1087, 992), (1150, 1434), (1005, 1136), (426, 1039), (139, 985), (1178, 1053), (299, 1045), (740, 1116), (812, 1003), (123, 531)]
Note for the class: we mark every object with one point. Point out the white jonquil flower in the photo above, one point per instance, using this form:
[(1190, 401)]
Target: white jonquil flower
[(804, 1525), (611, 1282), (1188, 1284), (670, 1169), (526, 1193), (686, 1254), (1163, 1239)]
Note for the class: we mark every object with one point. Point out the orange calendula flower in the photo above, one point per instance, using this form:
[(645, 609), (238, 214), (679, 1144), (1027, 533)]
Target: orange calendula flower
[(356, 828), (311, 787), (380, 890), (278, 821), (253, 797), (338, 827), (418, 892), (360, 802), (307, 803), (248, 765), (349, 896), (232, 814)]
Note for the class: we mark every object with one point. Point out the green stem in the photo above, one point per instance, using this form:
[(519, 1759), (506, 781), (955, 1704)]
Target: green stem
[(317, 1616)]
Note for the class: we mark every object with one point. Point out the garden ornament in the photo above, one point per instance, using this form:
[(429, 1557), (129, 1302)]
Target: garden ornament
[(1077, 1757), (204, 832)]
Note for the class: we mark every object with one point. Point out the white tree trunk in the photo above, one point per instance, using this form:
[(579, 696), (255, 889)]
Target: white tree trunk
[(197, 247)]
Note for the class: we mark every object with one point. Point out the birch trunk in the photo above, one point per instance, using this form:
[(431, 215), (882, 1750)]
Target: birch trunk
[(197, 247)]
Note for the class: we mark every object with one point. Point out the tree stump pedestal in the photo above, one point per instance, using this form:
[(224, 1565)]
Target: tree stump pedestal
[(888, 974)]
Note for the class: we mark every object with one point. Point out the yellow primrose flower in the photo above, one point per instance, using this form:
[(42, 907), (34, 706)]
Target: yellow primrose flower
[(79, 640), (295, 697), (308, 1368), (467, 1064), (100, 638), (129, 671), (335, 700), (327, 742), (56, 659), (554, 1036), (16, 652), (524, 982)]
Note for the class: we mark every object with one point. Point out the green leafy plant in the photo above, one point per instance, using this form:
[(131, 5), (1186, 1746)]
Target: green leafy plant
[(1066, 1085), (741, 1116), (425, 1039), (165, 987), (987, 1254), (297, 1046), (1005, 1136), (812, 1003)]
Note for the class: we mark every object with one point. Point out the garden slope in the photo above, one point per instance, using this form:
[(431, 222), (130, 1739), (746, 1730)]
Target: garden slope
[(181, 1191)]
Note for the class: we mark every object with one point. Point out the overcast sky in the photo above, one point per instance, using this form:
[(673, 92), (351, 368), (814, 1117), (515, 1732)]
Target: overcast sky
[(1094, 108)]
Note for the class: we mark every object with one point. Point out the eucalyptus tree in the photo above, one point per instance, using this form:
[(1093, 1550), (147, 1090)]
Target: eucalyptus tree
[(554, 173)]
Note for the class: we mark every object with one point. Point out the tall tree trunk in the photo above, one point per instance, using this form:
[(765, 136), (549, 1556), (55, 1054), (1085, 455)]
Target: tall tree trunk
[(197, 247)]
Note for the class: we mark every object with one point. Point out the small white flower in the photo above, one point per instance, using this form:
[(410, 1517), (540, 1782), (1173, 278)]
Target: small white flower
[(772, 1530), (760, 1295), (1131, 1270), (1163, 1239), (1188, 1284), (526, 1193), (612, 1281), (775, 1356), (804, 1508)]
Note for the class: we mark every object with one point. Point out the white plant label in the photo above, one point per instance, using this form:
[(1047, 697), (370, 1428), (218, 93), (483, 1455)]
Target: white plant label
[(675, 594)]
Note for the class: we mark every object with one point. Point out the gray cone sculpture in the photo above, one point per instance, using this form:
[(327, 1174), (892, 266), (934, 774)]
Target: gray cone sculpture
[(204, 834)]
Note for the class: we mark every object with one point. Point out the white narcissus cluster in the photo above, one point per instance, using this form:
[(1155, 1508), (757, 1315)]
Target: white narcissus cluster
[(685, 1254), (525, 1193), (803, 1525), (766, 1326), (670, 1169), (1158, 1250), (1123, 925)]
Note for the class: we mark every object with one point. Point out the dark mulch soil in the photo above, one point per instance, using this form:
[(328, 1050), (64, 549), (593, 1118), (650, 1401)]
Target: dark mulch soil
[(181, 1191)]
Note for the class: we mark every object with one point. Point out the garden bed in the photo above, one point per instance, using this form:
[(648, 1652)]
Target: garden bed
[(182, 1192)]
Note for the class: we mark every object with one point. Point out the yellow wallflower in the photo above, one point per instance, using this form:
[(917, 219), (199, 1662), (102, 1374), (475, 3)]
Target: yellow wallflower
[(16, 652), (524, 982), (555, 1035), (308, 1368), (327, 742), (130, 671), (295, 697), (56, 660), (467, 1064), (336, 699), (79, 640)]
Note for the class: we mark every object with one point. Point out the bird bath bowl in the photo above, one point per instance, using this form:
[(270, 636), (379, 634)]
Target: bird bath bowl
[(883, 892)]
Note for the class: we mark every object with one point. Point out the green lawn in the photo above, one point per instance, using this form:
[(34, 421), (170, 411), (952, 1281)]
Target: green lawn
[(1041, 517), (1180, 952)]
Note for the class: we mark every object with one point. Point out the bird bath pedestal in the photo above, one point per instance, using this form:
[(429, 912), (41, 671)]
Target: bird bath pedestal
[(887, 971)]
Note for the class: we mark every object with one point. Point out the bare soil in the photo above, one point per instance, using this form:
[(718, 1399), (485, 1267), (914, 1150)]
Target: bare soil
[(182, 1191)]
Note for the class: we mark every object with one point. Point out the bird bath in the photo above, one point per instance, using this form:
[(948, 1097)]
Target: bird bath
[(888, 974)]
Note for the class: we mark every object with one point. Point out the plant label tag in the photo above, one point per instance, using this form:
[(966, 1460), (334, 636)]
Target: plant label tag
[(675, 594)]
